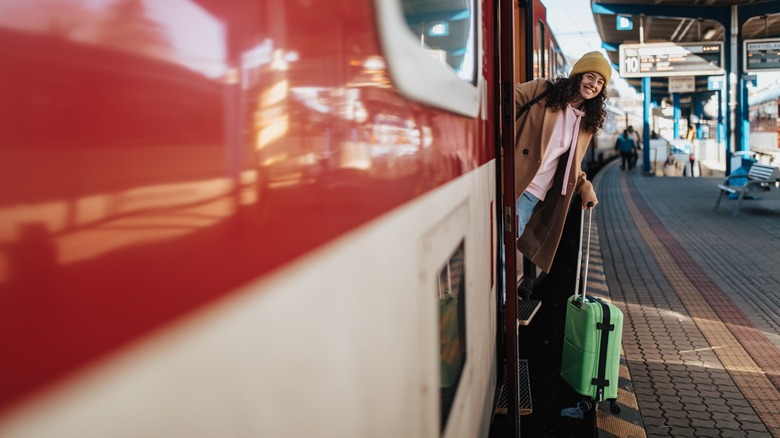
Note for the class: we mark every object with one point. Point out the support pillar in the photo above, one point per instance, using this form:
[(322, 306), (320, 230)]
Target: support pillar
[(676, 108), (647, 113)]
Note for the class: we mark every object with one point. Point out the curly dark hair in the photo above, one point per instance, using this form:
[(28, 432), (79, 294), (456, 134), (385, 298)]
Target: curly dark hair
[(564, 90)]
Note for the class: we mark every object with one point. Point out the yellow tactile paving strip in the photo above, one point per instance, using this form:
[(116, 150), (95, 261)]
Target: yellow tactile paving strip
[(746, 373), (628, 423), (617, 426)]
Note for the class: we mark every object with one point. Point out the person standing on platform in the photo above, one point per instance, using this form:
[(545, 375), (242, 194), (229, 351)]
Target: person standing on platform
[(635, 136), (625, 145), (637, 142), (550, 142)]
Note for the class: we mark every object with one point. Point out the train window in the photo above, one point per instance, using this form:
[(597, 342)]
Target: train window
[(432, 51), (561, 69), (555, 61), (451, 283), (539, 62), (445, 29)]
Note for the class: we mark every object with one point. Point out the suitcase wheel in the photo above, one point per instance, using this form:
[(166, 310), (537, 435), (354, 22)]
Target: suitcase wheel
[(585, 405)]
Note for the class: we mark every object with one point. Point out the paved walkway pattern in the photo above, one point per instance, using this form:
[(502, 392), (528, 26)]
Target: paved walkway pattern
[(628, 423), (700, 292)]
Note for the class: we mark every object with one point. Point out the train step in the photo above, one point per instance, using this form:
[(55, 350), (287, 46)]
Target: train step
[(523, 391), (526, 310)]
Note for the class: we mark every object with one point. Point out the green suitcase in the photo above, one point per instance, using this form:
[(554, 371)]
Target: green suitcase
[(591, 347), (592, 339)]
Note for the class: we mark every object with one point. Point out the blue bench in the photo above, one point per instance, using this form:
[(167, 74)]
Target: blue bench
[(760, 178)]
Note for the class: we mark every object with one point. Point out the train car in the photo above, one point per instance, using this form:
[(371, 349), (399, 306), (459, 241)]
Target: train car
[(548, 58), (252, 218), (764, 123)]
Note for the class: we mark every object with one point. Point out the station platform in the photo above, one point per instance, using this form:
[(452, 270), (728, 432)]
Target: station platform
[(700, 294)]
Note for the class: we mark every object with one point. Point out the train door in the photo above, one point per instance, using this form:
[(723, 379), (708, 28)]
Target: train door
[(513, 67)]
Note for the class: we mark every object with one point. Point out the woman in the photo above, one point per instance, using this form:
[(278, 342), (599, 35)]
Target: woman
[(550, 142)]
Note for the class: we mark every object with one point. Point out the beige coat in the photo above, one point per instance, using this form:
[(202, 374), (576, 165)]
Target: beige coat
[(534, 130)]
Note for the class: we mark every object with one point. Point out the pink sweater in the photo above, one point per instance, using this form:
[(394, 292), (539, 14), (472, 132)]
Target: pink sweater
[(564, 138)]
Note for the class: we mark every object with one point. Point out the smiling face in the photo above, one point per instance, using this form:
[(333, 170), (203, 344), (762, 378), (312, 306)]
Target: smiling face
[(591, 86)]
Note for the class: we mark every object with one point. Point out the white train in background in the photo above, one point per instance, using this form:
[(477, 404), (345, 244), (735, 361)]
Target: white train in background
[(765, 121)]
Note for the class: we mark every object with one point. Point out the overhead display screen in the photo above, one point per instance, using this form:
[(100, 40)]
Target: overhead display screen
[(761, 55), (671, 59)]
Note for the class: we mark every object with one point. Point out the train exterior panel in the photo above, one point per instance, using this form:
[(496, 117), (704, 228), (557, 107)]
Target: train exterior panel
[(763, 117), (227, 218), (249, 218)]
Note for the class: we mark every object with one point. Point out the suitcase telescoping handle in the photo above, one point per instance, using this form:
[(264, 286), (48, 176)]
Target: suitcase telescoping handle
[(587, 254)]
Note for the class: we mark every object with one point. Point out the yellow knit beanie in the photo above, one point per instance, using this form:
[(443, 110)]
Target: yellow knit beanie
[(593, 61)]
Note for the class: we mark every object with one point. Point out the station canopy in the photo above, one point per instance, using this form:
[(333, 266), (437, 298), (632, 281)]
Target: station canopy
[(680, 21)]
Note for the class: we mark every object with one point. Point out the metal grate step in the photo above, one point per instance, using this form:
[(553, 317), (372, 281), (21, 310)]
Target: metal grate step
[(523, 391), (526, 310)]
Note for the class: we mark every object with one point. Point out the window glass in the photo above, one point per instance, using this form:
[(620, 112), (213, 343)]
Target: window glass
[(539, 68), (451, 290), (445, 29), (560, 63)]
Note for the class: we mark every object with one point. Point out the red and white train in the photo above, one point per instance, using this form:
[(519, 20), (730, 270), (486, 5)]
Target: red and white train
[(255, 218)]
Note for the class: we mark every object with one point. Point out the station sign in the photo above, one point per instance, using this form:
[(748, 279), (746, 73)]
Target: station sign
[(761, 55), (682, 84), (671, 59), (624, 22)]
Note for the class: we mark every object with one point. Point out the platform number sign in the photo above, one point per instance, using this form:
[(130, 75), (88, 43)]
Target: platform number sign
[(632, 64), (671, 59)]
